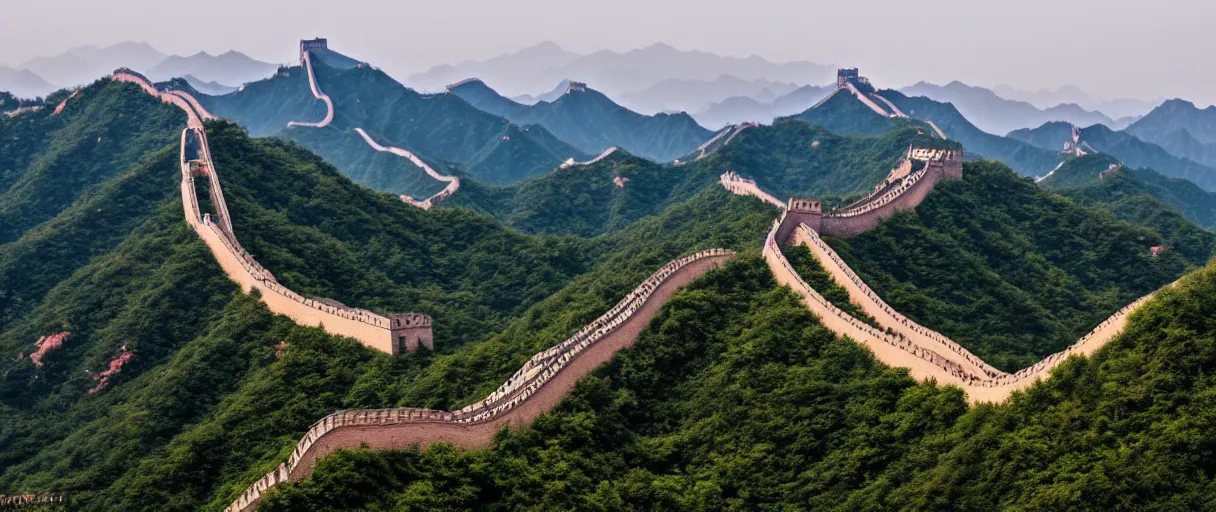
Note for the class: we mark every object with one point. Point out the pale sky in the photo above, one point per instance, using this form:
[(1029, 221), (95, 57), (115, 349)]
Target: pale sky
[(1130, 48)]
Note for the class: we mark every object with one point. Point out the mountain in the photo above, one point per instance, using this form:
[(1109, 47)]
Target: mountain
[(592, 122), (24, 83), (229, 68), (1024, 158), (1124, 146), (550, 96), (844, 114), (1161, 124), (208, 88), (1068, 94), (1091, 179), (680, 95), (84, 64), (994, 114), (616, 74), (687, 419), (201, 381), (739, 109), (442, 129)]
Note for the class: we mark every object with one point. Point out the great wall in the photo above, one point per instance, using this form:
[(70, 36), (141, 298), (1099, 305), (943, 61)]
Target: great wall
[(899, 342), (392, 334), (453, 182), (539, 385), (545, 378)]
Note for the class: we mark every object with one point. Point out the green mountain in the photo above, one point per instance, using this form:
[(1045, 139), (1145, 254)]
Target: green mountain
[(1011, 271), (1124, 146), (1024, 158), (792, 158), (441, 128), (1163, 121), (737, 399), (593, 123), (174, 391), (1170, 206), (203, 392), (843, 114), (1182, 129)]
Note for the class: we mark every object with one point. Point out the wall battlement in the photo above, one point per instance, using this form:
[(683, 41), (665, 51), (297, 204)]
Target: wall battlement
[(536, 387)]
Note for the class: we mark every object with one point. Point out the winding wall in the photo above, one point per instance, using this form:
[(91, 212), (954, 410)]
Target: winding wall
[(19, 502), (746, 187), (392, 334), (536, 388), (453, 182), (316, 92), (571, 163)]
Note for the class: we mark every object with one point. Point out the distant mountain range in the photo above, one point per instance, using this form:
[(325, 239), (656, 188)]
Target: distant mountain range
[(591, 122), (685, 95), (1128, 148), (739, 109), (1046, 98), (616, 74), (24, 83), (442, 129), (1182, 129), (84, 64), (995, 114)]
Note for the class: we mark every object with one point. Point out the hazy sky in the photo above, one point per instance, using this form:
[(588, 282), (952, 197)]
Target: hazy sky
[(1131, 48)]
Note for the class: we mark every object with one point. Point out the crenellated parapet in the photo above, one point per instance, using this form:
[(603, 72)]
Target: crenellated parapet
[(30, 501), (535, 388), (928, 355)]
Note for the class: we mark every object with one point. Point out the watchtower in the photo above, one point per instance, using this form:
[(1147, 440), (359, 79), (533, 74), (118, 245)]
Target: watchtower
[(319, 43), (799, 211), (409, 331)]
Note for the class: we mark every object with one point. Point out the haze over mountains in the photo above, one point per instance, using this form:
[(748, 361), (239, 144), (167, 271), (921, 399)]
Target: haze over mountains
[(537, 67), (81, 65)]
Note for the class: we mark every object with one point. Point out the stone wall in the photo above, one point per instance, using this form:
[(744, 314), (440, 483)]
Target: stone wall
[(533, 390), (306, 60), (905, 194), (39, 501)]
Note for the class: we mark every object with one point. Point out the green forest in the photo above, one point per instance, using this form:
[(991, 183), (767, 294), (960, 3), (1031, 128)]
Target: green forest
[(734, 397)]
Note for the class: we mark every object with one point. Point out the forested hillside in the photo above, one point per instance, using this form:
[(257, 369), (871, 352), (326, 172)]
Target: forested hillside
[(736, 398), (168, 375), (1125, 147), (1023, 158), (439, 128), (1010, 271), (592, 122)]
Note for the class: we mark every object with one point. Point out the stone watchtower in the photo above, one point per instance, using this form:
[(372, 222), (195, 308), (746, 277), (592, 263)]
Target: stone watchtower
[(319, 43), (799, 211), (409, 331)]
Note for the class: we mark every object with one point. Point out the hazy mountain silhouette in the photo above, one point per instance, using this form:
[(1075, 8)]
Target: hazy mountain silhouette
[(229, 68), (1122, 145), (1046, 98), (995, 114), (682, 95), (84, 64), (741, 109), (591, 122), (210, 88), (535, 68), (24, 83), (1175, 114)]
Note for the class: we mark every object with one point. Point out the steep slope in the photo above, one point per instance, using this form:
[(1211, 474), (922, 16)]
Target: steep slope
[(168, 374), (689, 418), (592, 122), (48, 160), (439, 128), (228, 68), (23, 83), (1124, 146), (994, 253), (588, 200), (1182, 144), (792, 158), (995, 114), (842, 113), (1024, 158), (1140, 196), (1158, 124)]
